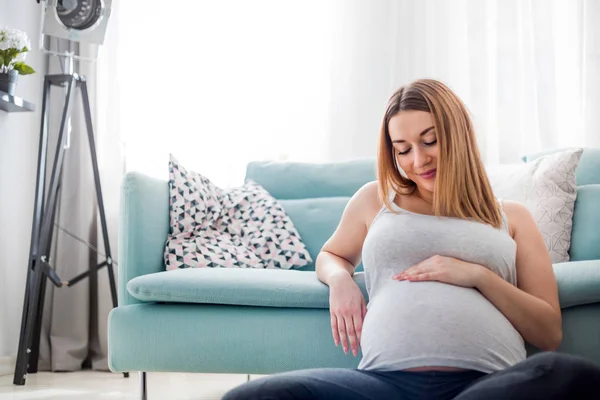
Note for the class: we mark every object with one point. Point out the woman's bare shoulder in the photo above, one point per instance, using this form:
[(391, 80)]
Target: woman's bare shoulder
[(368, 201), (515, 213), (368, 195)]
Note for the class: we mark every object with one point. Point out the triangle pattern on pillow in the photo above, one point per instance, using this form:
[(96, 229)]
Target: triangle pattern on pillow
[(241, 227)]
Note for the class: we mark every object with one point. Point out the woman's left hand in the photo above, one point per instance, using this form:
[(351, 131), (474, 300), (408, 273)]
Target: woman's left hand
[(444, 269)]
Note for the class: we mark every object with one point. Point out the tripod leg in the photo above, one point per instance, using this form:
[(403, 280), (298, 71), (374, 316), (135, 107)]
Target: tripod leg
[(55, 183), (34, 355), (90, 130), (41, 268), (22, 356), (37, 330)]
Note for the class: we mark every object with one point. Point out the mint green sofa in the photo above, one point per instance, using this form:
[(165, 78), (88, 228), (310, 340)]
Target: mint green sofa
[(266, 321)]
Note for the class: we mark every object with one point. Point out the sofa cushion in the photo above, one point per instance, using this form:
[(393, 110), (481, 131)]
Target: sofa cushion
[(250, 287), (578, 284)]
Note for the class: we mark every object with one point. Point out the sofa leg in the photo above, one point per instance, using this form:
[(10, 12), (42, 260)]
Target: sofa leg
[(143, 386)]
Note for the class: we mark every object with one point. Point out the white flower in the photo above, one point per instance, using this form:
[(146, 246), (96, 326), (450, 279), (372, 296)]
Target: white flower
[(13, 39), (5, 43)]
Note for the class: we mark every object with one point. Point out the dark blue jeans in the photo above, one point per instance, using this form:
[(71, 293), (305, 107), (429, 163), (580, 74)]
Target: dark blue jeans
[(545, 376)]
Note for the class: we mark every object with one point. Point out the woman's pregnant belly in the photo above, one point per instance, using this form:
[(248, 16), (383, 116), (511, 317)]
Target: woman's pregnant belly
[(432, 325)]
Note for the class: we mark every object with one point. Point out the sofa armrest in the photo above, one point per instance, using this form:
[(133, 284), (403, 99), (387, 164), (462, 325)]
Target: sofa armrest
[(578, 282), (143, 229)]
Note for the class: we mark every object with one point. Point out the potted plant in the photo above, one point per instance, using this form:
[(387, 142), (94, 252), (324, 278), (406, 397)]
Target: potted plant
[(14, 45)]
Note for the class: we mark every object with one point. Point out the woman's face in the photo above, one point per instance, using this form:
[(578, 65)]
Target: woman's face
[(415, 145)]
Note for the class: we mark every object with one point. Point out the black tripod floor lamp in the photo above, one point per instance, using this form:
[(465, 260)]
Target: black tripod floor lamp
[(86, 20)]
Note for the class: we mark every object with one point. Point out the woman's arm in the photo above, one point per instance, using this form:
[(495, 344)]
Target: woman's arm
[(532, 307), (342, 252), (335, 266)]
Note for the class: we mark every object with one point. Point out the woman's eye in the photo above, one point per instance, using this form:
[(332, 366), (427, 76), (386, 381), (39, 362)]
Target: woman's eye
[(401, 153)]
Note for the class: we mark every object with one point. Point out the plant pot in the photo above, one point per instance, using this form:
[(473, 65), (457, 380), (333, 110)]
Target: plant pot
[(8, 82)]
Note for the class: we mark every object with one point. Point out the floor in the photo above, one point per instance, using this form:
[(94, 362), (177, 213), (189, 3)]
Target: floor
[(92, 385)]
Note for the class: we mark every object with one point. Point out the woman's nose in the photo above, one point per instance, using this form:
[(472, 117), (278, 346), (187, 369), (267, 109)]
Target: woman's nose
[(421, 159)]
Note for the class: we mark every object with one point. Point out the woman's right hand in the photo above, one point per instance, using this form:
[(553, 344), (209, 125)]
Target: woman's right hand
[(348, 308)]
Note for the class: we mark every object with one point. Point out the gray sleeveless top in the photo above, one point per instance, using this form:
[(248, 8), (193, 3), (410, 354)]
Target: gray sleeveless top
[(417, 324)]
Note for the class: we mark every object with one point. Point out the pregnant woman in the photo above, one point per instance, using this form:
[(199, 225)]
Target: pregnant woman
[(457, 279)]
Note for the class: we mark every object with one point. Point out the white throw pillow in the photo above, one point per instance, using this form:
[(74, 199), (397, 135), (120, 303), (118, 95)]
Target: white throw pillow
[(547, 187), (239, 227)]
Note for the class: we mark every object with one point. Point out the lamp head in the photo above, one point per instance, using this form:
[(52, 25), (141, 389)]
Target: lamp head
[(82, 21)]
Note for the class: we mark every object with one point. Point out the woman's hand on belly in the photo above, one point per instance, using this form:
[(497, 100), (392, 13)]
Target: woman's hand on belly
[(444, 269)]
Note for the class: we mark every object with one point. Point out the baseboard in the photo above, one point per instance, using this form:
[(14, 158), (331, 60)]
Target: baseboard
[(7, 365)]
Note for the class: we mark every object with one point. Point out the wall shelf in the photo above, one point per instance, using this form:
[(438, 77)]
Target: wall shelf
[(14, 104)]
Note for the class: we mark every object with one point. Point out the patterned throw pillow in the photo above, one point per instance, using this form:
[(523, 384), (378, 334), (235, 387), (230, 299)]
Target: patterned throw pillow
[(547, 187), (241, 227)]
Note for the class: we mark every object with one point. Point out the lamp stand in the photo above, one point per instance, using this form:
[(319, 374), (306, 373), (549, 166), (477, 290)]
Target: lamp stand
[(39, 267)]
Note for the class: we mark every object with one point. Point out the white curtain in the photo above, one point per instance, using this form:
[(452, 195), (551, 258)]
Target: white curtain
[(528, 70), (220, 83)]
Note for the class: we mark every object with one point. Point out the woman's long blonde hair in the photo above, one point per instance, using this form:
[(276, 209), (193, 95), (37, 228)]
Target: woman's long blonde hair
[(462, 188)]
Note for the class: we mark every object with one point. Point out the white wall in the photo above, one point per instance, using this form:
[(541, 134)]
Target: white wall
[(19, 136)]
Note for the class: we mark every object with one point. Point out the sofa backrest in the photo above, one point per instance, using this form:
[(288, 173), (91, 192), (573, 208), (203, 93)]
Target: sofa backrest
[(588, 171), (314, 196), (293, 180)]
